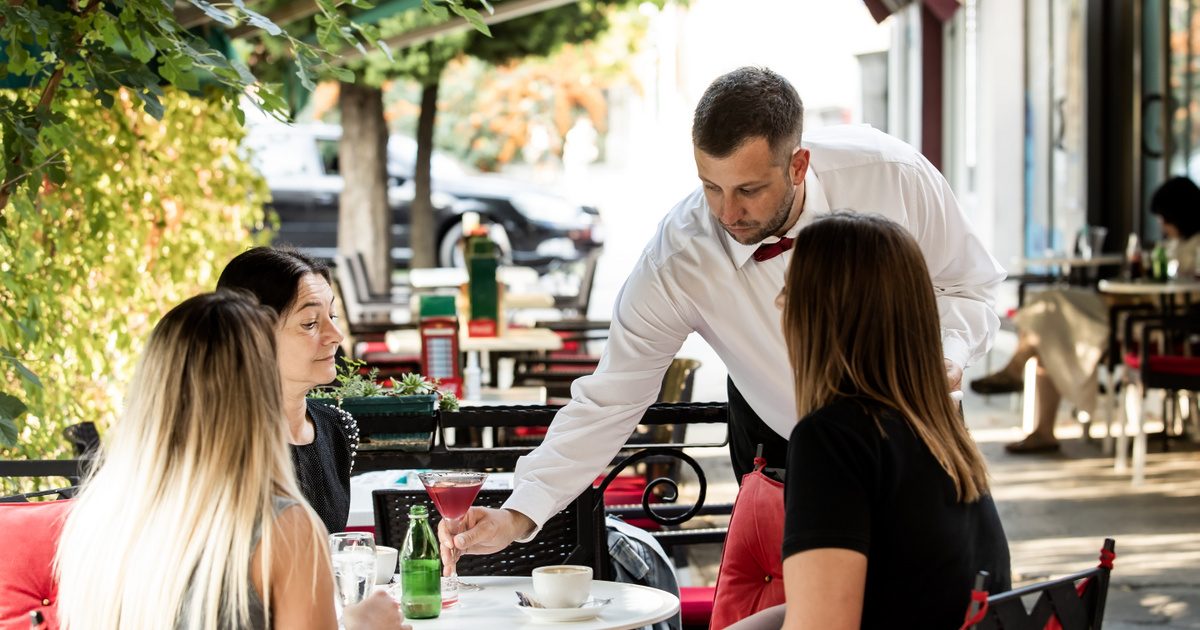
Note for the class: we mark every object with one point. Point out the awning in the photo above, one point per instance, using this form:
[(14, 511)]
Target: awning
[(943, 10)]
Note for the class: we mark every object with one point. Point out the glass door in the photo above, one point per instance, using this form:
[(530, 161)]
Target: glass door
[(1055, 126)]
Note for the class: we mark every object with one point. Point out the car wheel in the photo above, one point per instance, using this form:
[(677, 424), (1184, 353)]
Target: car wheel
[(451, 255)]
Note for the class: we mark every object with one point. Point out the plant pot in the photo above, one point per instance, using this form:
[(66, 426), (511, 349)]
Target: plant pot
[(403, 423)]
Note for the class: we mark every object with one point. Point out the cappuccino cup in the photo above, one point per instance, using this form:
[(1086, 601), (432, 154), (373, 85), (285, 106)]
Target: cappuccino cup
[(385, 563), (563, 585)]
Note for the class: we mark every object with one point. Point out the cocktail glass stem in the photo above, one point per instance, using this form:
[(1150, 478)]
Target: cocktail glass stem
[(456, 528)]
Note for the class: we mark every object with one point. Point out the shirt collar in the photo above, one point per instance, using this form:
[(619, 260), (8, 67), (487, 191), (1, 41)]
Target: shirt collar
[(815, 205)]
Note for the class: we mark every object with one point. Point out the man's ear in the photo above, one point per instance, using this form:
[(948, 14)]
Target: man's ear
[(799, 165)]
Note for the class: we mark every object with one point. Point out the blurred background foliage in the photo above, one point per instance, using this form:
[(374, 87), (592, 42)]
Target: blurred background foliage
[(148, 215)]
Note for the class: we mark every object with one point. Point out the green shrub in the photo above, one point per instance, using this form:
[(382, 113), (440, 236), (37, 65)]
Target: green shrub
[(149, 214)]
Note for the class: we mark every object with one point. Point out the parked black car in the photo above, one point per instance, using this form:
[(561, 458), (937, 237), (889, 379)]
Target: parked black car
[(532, 226)]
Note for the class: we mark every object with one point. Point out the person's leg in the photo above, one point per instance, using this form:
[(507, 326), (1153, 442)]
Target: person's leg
[(746, 432), (767, 619), (1048, 400), (1010, 377)]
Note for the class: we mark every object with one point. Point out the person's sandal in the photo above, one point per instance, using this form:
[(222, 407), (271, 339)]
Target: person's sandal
[(1030, 446), (998, 383)]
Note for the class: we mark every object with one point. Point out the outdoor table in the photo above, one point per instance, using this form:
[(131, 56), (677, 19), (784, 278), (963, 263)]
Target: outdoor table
[(510, 341), (632, 606), (1062, 267), (1067, 262), (454, 277)]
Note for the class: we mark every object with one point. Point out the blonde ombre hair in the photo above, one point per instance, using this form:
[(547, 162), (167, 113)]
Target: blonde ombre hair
[(163, 528), (860, 319)]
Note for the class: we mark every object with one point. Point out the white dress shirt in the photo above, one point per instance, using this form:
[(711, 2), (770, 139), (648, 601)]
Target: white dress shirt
[(693, 276)]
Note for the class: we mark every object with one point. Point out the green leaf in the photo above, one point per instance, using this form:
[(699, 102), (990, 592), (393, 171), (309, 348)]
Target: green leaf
[(10, 410), (217, 15), (258, 20), (344, 75), (141, 50), (152, 105), (22, 371)]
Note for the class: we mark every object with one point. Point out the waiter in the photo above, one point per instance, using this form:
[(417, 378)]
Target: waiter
[(715, 266)]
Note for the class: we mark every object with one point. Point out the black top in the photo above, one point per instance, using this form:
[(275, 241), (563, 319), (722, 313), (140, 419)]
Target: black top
[(850, 486), (323, 467)]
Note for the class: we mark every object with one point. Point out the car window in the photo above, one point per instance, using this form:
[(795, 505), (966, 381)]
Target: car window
[(278, 155), (327, 150)]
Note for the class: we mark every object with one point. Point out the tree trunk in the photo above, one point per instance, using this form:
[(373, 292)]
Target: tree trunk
[(364, 219), (423, 232)]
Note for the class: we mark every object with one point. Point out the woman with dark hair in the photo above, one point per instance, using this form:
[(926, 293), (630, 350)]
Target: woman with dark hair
[(888, 517), (323, 438), (1067, 330)]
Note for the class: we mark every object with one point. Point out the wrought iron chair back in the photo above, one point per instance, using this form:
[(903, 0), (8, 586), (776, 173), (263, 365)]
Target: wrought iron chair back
[(1072, 602), (57, 493), (573, 536)]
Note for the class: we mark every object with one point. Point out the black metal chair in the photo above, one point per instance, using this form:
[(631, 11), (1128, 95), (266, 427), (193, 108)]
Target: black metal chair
[(1075, 602), (573, 536)]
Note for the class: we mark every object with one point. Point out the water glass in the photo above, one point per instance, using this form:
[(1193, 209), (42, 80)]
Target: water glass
[(353, 556)]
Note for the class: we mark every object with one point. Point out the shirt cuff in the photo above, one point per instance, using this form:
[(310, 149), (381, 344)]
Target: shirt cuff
[(957, 351), (533, 503)]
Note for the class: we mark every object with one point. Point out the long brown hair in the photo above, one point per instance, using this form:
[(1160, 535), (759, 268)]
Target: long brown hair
[(860, 319)]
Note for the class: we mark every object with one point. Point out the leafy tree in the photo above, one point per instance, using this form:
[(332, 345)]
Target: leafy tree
[(535, 35), (147, 215)]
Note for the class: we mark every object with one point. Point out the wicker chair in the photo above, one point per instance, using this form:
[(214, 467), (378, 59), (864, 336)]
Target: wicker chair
[(573, 536)]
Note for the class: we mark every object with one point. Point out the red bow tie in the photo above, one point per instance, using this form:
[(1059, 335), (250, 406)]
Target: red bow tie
[(771, 250)]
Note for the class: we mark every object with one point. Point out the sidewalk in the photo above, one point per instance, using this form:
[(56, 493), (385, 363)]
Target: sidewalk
[(1057, 510)]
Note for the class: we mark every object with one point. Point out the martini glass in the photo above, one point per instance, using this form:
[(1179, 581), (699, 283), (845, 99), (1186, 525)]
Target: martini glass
[(453, 493)]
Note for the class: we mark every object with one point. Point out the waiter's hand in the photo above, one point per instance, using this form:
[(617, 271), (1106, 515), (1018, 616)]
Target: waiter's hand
[(954, 375), (484, 530)]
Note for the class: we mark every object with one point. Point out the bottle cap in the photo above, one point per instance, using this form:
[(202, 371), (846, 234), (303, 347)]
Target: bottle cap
[(419, 511)]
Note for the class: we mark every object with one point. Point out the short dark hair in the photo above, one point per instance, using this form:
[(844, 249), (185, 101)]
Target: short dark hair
[(1177, 201), (271, 274), (748, 103)]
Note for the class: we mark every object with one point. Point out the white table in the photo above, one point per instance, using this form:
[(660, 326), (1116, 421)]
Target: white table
[(1147, 287), (1073, 261), (633, 606), (511, 340)]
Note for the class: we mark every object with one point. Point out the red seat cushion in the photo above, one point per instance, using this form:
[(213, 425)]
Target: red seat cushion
[(628, 490), (29, 538), (750, 577), (696, 605), (1166, 364)]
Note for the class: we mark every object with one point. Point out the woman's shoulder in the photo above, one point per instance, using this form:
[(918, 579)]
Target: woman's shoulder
[(331, 414)]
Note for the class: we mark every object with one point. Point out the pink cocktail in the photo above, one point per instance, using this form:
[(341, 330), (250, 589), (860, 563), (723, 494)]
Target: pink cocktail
[(453, 493), (454, 497)]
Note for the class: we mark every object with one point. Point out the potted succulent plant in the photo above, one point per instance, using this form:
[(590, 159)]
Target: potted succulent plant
[(400, 414)]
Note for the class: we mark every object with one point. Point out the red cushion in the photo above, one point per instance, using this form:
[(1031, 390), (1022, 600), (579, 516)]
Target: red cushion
[(1166, 364), (29, 537), (628, 490), (750, 577), (696, 605), (530, 431)]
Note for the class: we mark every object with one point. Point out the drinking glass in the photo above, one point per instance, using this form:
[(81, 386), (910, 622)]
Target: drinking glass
[(453, 493), (353, 555)]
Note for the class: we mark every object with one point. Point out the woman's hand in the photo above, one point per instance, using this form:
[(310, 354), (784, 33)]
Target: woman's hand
[(376, 612)]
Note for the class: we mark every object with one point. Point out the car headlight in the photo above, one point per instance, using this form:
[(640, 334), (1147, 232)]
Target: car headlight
[(549, 209)]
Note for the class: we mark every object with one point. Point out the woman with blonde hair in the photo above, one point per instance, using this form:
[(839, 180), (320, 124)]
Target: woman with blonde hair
[(888, 517), (191, 517)]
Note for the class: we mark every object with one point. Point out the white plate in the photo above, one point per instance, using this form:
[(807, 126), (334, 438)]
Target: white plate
[(588, 610)]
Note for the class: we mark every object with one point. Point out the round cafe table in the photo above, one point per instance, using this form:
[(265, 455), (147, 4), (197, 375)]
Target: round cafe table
[(632, 606)]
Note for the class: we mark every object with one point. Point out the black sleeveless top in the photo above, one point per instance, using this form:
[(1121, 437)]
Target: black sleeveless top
[(323, 467)]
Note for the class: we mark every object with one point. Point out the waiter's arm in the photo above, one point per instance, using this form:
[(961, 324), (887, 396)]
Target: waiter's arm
[(648, 327)]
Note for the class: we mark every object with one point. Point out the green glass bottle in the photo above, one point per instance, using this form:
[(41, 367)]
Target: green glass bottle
[(420, 568), (1158, 261)]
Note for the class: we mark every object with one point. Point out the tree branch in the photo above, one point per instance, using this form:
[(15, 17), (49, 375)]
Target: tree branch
[(48, 94)]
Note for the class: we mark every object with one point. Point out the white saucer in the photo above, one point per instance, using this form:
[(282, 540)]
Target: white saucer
[(588, 610)]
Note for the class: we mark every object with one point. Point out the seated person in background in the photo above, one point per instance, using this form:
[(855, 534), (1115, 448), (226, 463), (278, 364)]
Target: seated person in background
[(191, 517), (323, 438), (888, 515), (1067, 329)]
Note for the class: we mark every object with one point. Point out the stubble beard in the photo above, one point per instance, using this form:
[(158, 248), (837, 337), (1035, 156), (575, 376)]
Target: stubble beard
[(774, 225)]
